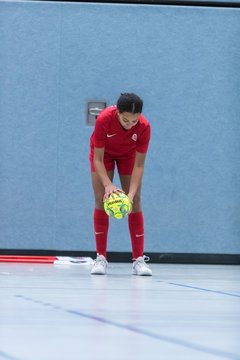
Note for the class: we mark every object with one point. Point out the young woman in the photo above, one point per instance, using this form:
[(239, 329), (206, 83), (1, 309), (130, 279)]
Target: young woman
[(121, 137)]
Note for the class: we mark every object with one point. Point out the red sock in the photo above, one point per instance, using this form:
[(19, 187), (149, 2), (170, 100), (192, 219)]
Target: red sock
[(136, 228), (101, 223)]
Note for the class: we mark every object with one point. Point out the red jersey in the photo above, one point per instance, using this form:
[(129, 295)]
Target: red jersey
[(117, 142)]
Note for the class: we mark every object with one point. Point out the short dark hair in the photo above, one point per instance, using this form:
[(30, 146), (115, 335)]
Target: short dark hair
[(129, 102)]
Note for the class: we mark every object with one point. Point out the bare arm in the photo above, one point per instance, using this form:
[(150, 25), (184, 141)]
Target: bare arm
[(102, 173), (137, 174)]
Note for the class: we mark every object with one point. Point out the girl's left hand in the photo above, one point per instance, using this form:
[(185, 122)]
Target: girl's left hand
[(130, 195), (131, 199)]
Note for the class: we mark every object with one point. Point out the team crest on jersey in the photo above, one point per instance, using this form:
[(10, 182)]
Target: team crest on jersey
[(134, 137)]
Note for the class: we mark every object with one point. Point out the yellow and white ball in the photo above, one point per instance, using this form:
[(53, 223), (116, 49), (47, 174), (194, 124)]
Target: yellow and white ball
[(117, 205)]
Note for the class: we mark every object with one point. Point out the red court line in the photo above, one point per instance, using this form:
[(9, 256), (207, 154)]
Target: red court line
[(28, 259)]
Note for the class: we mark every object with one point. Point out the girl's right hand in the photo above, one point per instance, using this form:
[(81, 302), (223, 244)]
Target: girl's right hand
[(109, 190)]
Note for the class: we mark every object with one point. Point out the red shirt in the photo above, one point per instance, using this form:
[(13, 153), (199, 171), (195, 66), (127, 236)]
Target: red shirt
[(117, 142)]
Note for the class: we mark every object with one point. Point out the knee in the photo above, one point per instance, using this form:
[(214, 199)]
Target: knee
[(137, 206), (99, 204)]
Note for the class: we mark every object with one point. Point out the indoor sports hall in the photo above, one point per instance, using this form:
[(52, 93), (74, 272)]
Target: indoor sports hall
[(61, 64)]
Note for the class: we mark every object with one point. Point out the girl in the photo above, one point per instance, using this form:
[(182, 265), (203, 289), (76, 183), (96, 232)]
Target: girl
[(121, 137)]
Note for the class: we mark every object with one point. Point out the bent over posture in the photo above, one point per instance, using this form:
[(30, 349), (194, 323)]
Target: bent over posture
[(121, 137)]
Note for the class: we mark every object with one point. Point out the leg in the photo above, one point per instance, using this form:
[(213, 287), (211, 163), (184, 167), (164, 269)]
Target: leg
[(101, 220), (125, 183), (135, 219), (136, 229), (98, 189)]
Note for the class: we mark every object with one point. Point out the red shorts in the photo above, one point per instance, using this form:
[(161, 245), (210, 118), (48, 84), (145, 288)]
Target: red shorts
[(124, 164)]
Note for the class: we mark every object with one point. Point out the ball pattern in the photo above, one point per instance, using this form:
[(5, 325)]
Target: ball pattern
[(117, 205)]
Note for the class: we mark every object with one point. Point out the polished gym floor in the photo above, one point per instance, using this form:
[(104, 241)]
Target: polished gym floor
[(61, 312)]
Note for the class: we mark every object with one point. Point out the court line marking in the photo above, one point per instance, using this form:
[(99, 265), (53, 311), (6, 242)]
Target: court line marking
[(202, 289), (168, 339)]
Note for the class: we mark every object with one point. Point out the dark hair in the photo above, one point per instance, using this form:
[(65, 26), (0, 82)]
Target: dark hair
[(129, 102)]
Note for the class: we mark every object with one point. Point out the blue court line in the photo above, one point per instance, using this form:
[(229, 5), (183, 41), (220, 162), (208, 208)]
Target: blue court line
[(204, 289), (6, 356), (168, 339)]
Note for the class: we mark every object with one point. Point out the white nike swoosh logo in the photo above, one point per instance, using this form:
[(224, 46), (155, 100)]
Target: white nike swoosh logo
[(139, 235), (110, 135), (97, 233)]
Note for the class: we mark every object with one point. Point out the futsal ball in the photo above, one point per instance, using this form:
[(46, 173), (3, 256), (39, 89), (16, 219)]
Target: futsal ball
[(117, 205)]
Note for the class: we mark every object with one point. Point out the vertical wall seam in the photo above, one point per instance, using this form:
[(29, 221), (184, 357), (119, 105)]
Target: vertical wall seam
[(59, 82)]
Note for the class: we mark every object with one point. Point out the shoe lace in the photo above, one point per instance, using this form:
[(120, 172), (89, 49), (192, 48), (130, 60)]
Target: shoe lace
[(142, 260), (100, 260)]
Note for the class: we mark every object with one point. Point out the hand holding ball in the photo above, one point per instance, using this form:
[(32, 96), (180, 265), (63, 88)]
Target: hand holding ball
[(117, 205)]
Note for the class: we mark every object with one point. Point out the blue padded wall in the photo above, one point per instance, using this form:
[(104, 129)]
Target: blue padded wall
[(183, 61)]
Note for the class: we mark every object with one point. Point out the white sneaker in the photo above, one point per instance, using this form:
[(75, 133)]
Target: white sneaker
[(99, 266), (140, 267)]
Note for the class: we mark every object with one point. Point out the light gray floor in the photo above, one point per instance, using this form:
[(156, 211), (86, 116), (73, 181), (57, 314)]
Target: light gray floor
[(60, 312)]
